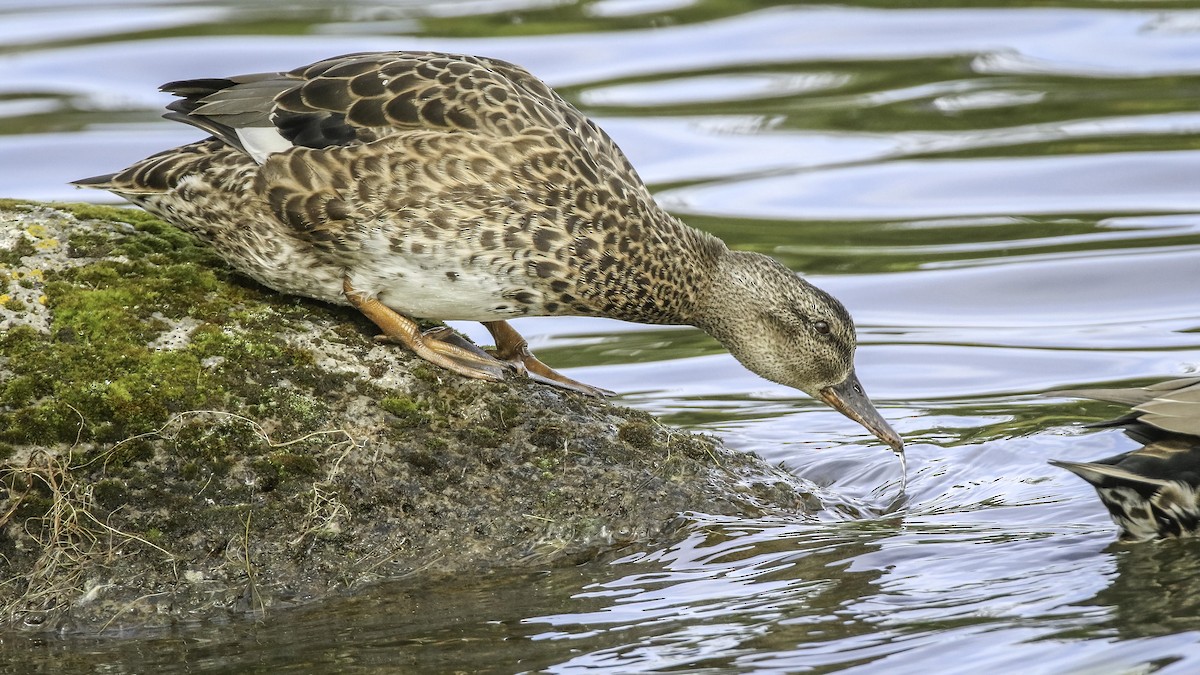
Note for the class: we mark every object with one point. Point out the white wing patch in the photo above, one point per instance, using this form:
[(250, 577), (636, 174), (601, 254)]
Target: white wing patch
[(262, 142)]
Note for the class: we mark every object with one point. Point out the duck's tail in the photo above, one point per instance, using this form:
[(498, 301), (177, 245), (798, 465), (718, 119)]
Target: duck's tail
[(104, 182)]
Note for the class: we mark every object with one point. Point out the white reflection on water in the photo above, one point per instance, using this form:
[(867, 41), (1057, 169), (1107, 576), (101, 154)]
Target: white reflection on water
[(780, 587), (40, 22), (1103, 183), (711, 88)]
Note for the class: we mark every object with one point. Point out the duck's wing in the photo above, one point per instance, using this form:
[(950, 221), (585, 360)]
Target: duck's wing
[(354, 152), (1175, 458), (360, 98), (1172, 406), (1104, 475), (1175, 409), (1153, 491), (1132, 396)]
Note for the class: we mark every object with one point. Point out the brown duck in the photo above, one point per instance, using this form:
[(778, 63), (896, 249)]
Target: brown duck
[(1152, 492), (415, 184)]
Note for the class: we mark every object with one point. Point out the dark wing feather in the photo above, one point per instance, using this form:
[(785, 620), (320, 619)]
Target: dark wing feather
[(1105, 474), (220, 106), (360, 98)]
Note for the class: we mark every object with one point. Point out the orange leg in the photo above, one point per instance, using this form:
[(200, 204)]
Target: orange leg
[(436, 346), (512, 348)]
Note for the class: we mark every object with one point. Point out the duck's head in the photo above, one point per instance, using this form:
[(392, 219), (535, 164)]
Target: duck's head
[(791, 332)]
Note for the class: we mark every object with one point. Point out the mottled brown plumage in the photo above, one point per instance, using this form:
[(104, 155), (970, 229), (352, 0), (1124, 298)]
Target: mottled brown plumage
[(1154, 491), (458, 187)]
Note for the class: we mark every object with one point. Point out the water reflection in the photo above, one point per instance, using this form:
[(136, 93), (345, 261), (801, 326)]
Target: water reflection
[(793, 596), (766, 575), (1156, 590), (937, 188)]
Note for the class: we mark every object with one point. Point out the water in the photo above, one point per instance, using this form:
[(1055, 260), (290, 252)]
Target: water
[(1006, 199)]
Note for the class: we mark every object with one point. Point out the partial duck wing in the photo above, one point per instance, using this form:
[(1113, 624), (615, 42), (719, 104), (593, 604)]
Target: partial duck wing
[(1149, 493), (1152, 491), (360, 98), (1172, 406), (363, 154)]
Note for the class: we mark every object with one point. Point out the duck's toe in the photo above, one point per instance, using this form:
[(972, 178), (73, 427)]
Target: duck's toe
[(512, 349), (456, 354), (556, 379)]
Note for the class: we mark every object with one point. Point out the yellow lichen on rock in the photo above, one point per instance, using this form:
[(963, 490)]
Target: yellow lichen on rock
[(37, 231)]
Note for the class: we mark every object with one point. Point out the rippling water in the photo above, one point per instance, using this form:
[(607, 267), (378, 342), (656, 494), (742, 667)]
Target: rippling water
[(1007, 199)]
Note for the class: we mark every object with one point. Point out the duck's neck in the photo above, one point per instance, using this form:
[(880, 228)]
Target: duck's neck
[(660, 275), (727, 297)]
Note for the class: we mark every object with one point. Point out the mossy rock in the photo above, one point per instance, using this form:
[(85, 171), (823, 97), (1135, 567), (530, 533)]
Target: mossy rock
[(176, 440)]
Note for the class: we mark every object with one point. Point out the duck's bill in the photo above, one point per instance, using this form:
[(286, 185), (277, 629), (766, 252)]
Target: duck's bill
[(849, 399)]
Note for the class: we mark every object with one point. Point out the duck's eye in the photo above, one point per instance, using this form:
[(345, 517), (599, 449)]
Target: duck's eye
[(821, 327)]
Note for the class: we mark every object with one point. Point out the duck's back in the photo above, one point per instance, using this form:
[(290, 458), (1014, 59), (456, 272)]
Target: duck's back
[(415, 165)]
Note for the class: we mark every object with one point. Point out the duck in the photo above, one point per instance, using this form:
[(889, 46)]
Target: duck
[(1152, 492), (426, 185)]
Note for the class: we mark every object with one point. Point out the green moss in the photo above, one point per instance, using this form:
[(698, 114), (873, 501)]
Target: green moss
[(211, 340), (278, 468), (110, 493), (191, 470), (637, 433), (128, 455), (507, 412), (19, 391), (6, 451), (12, 256), (96, 372), (215, 447), (408, 413), (482, 437), (150, 240), (41, 423), (302, 466), (301, 413), (107, 315), (137, 288), (90, 245), (96, 378), (118, 214), (427, 373)]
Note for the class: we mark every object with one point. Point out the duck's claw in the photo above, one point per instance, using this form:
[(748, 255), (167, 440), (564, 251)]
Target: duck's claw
[(512, 349), (440, 346)]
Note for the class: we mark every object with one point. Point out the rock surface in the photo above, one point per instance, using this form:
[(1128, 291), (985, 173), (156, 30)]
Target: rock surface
[(177, 443)]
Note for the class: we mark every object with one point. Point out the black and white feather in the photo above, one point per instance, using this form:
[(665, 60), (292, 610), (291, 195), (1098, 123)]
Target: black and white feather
[(1152, 492)]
